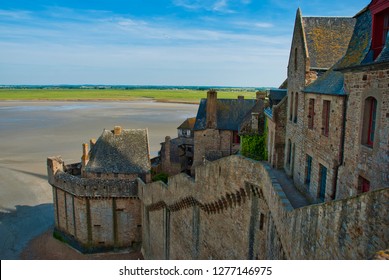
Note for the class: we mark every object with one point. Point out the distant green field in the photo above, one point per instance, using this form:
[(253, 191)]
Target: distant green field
[(190, 96)]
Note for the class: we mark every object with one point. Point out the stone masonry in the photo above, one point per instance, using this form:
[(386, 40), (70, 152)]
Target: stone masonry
[(238, 197)]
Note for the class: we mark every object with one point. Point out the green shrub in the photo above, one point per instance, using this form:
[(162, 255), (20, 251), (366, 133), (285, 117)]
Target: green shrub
[(254, 146), (160, 177)]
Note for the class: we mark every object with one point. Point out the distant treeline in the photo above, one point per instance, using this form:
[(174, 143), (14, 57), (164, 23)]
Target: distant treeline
[(134, 87)]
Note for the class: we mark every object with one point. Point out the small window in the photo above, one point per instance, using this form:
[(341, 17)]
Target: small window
[(261, 221), (363, 185), (369, 121), (295, 59), (289, 154), (296, 105), (115, 175), (326, 117), (308, 171), (380, 31), (236, 138), (322, 182), (311, 113), (98, 174), (291, 106)]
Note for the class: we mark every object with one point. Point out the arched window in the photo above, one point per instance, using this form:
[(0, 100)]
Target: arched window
[(369, 121)]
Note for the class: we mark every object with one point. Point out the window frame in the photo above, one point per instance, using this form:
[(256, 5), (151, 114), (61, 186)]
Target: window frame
[(326, 111), (311, 113)]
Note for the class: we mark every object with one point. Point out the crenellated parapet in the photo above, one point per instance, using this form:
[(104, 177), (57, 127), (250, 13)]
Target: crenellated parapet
[(236, 208)]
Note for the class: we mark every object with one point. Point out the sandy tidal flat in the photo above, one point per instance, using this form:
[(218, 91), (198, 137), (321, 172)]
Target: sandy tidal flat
[(32, 131)]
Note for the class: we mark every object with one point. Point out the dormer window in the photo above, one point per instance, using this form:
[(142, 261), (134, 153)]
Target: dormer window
[(380, 31)]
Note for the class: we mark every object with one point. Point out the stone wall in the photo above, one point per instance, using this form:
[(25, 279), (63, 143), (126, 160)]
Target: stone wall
[(324, 150), (235, 210), (371, 163), (276, 134), (299, 75), (212, 144), (95, 214)]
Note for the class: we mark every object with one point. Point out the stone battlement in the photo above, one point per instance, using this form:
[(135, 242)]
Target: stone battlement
[(240, 198), (88, 187)]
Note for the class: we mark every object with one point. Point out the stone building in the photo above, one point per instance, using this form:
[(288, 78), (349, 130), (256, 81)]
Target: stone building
[(176, 155), (216, 131), (276, 125), (334, 126), (317, 44), (334, 120), (96, 201)]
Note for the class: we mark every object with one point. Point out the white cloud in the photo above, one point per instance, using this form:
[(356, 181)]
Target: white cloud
[(107, 48)]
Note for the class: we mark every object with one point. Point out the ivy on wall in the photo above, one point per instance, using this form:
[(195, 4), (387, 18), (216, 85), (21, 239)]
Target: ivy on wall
[(254, 146)]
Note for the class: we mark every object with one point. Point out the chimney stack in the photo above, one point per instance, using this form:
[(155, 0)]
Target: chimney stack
[(211, 109), (117, 130), (261, 95), (85, 156), (254, 121), (92, 143)]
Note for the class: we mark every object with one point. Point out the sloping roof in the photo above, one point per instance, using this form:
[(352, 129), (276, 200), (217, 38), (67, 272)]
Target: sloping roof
[(126, 153), (359, 46), (188, 123), (229, 113), (327, 39), (357, 53), (276, 95), (245, 125)]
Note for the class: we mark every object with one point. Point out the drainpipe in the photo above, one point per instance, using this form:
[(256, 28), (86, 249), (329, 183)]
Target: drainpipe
[(341, 148)]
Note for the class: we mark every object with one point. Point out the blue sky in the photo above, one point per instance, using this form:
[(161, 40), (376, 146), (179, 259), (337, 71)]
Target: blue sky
[(166, 42)]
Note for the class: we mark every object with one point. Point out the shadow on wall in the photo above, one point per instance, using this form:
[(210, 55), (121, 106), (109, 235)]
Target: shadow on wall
[(18, 227)]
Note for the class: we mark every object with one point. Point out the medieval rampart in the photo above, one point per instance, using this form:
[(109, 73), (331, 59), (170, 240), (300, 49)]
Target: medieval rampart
[(94, 214), (235, 210)]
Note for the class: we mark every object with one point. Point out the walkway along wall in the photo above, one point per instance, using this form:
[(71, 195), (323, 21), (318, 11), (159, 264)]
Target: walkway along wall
[(235, 210)]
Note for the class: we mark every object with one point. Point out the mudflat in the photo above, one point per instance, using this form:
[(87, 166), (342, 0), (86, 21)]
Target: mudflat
[(32, 131)]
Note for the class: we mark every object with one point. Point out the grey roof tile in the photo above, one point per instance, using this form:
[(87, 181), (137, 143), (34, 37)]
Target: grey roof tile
[(126, 153), (229, 112), (327, 39)]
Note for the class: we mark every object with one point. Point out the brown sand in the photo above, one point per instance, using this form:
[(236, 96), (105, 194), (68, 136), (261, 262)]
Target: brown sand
[(32, 131)]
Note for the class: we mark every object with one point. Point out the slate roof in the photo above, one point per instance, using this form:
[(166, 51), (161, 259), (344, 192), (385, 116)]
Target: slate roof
[(276, 95), (229, 113), (245, 124), (188, 123), (127, 153), (327, 39), (358, 53)]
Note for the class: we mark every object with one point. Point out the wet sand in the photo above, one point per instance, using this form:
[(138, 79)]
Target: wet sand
[(32, 131)]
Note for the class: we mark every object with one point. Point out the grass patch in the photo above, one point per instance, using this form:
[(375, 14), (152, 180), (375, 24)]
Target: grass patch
[(189, 96)]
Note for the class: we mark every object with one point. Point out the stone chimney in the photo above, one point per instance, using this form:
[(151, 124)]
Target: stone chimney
[(260, 95), (117, 130), (211, 109), (85, 156), (92, 143), (254, 121)]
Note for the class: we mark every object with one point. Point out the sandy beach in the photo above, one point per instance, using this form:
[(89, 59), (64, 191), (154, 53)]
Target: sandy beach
[(32, 131)]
